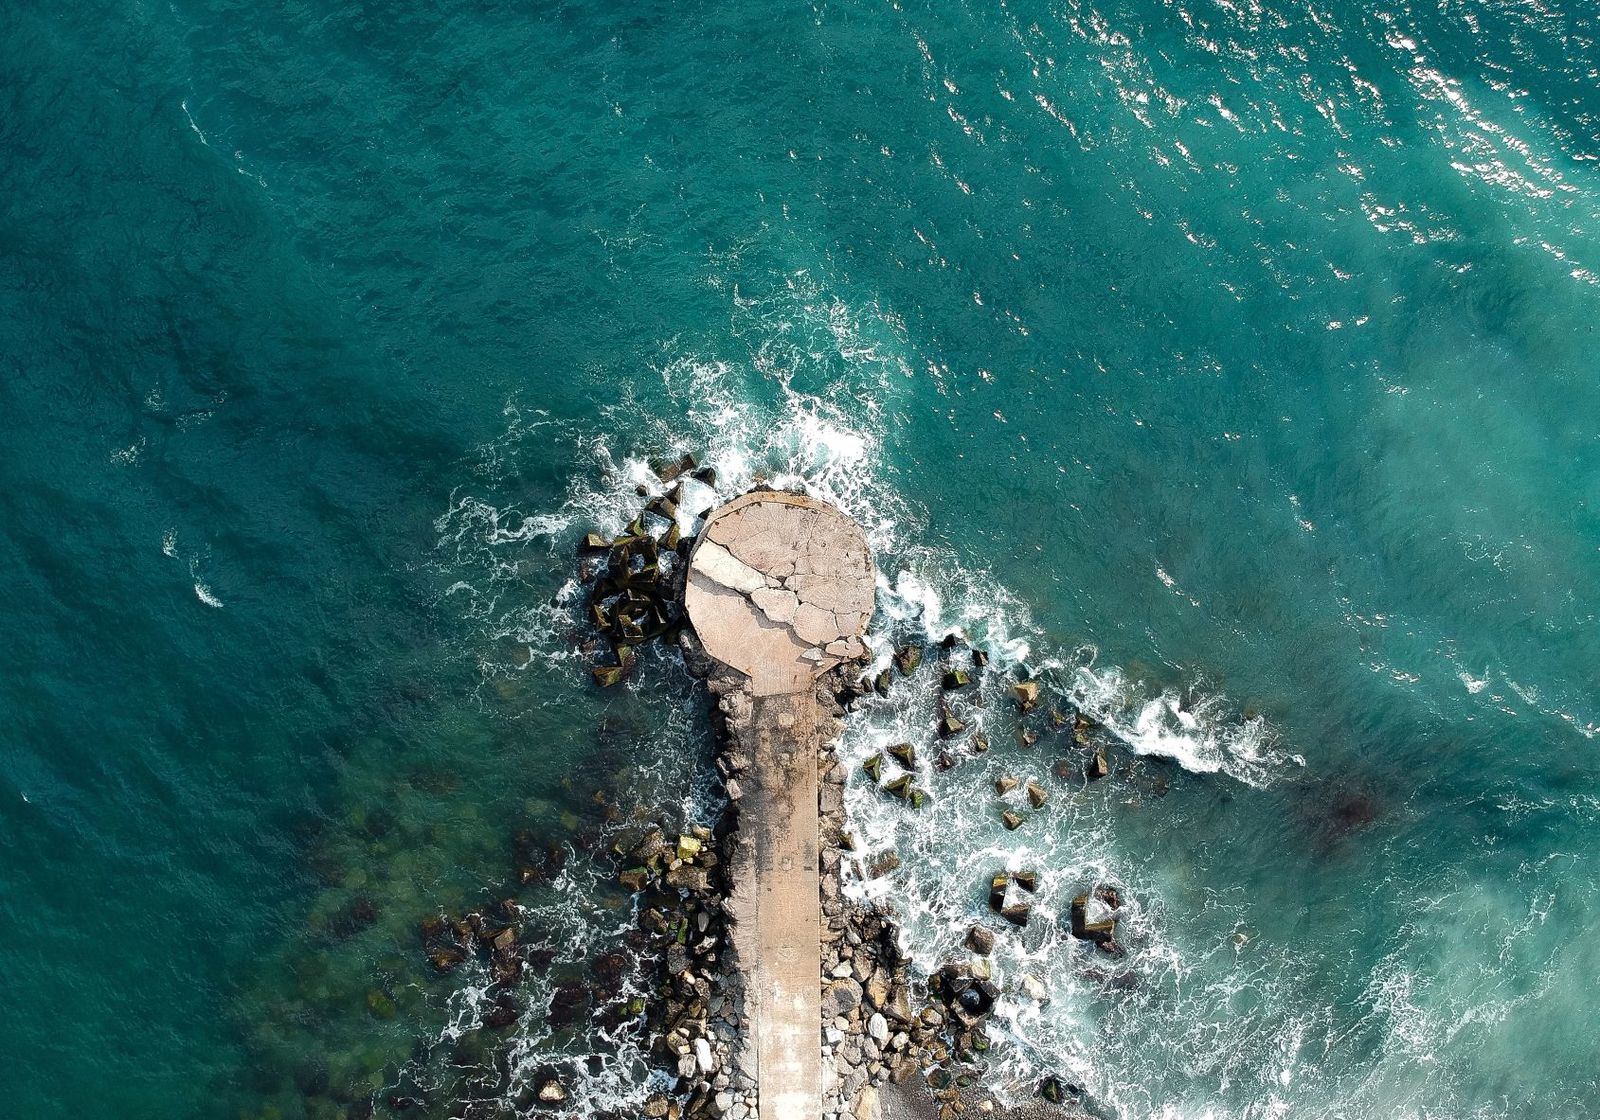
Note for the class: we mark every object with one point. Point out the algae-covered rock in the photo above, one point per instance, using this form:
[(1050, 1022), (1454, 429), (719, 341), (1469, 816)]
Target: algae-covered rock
[(907, 659)]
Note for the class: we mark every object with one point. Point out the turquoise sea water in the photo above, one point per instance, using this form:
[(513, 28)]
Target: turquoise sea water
[(1232, 364)]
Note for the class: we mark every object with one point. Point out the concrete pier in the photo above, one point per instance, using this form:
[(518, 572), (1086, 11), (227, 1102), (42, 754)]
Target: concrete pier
[(780, 589)]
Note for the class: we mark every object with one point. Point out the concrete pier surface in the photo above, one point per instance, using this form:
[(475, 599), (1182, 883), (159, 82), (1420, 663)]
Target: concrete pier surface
[(780, 590)]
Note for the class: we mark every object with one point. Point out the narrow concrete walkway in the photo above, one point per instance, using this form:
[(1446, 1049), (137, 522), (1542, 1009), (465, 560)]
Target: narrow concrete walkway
[(780, 590)]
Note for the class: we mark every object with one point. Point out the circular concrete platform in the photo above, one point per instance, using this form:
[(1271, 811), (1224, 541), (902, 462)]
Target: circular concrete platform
[(780, 588)]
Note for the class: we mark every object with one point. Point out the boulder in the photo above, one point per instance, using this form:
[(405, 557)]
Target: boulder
[(552, 1092), (607, 676), (1098, 768), (900, 787), (881, 864), (873, 767), (1011, 820), (955, 679), (980, 939), (1027, 694), (949, 725), (907, 659), (980, 742), (688, 878), (840, 998), (1037, 794), (1091, 920), (1004, 785), (905, 754), (880, 683)]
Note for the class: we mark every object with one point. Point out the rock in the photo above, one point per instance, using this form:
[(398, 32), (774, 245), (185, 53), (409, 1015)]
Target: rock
[(594, 542), (1027, 737), (878, 1028), (873, 768), (980, 940), (949, 725), (380, 1004), (878, 991), (607, 676), (980, 742), (1004, 784), (1091, 921), (702, 1056), (1097, 765), (1033, 988), (552, 1092), (866, 1104), (900, 787), (1110, 896), (881, 683), (1027, 880), (907, 659), (881, 864), (666, 472), (840, 998), (694, 879), (955, 679), (905, 754), (1037, 794), (1006, 898), (688, 847), (1011, 820), (655, 1107)]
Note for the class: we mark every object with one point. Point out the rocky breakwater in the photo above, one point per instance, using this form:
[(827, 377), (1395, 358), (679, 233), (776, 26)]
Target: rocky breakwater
[(776, 997)]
